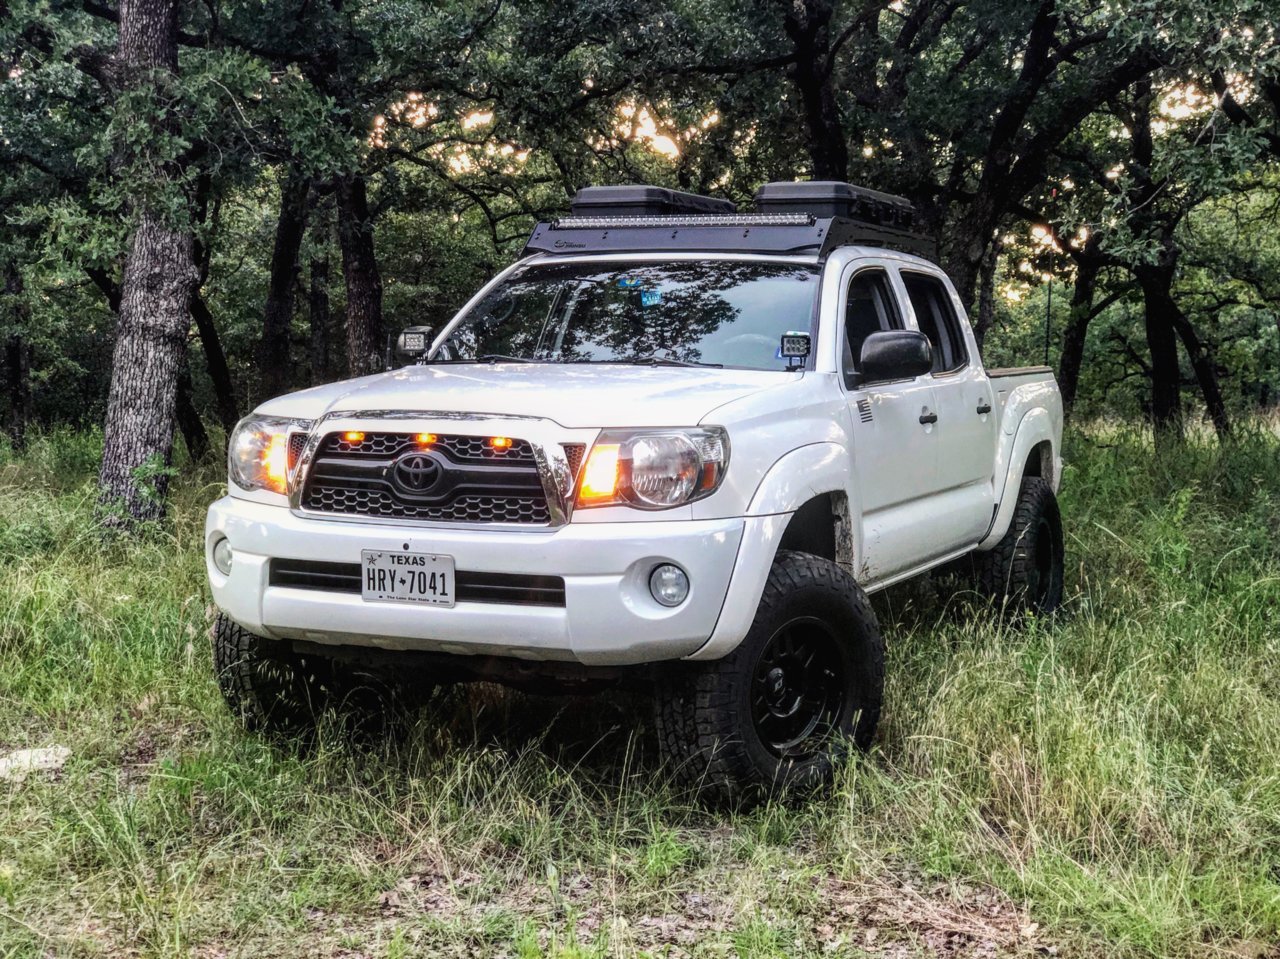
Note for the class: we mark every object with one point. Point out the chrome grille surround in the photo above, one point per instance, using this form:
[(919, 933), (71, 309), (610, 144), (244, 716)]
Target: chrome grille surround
[(537, 443)]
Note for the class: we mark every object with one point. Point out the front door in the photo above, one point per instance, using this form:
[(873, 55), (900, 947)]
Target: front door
[(894, 446)]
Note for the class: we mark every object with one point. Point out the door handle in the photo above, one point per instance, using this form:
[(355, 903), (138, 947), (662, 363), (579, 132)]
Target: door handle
[(926, 417), (983, 407)]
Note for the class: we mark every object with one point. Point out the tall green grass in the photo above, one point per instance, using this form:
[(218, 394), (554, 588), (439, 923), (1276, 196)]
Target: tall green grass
[(1105, 783)]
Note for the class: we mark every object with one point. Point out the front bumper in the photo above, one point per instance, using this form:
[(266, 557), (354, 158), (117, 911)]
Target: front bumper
[(609, 617)]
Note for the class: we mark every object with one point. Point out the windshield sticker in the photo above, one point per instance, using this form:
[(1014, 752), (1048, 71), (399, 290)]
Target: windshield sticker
[(628, 282), (650, 297)]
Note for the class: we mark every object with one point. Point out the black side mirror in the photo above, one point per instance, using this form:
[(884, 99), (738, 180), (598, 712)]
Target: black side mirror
[(894, 355)]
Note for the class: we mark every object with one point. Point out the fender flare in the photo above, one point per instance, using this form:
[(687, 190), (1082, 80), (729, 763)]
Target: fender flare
[(789, 483), (799, 476), (1036, 427), (811, 471)]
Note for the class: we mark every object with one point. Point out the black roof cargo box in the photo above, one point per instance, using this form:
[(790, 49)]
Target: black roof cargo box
[(641, 200), (823, 198)]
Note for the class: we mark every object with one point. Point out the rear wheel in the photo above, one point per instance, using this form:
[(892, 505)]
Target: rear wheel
[(1024, 571), (782, 709)]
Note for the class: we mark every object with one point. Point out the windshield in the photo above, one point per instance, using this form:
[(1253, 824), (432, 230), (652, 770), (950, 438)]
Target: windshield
[(708, 312)]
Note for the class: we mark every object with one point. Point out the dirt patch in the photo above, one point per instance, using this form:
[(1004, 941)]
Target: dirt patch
[(945, 920)]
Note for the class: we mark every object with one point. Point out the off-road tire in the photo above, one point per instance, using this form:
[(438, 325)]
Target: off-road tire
[(704, 711), (1023, 573), (269, 687)]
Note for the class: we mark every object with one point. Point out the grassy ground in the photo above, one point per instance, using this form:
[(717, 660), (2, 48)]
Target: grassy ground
[(1105, 784)]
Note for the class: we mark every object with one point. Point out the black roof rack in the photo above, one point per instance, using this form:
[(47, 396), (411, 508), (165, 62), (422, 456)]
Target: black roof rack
[(807, 217)]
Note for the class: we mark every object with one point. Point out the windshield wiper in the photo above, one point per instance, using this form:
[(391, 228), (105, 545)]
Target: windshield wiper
[(655, 360), (504, 358)]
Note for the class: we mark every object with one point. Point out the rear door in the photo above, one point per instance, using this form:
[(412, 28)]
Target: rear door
[(894, 449), (966, 428)]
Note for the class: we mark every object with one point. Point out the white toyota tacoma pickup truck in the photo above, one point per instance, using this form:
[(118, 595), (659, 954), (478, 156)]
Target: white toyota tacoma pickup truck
[(673, 444)]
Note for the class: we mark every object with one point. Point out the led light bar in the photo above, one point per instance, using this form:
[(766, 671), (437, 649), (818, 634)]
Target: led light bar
[(670, 222), (791, 219)]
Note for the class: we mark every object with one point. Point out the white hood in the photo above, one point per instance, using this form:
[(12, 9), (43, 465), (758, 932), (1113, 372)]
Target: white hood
[(572, 395)]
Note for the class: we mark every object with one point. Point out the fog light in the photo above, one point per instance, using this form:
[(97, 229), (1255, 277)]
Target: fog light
[(669, 585), (222, 556)]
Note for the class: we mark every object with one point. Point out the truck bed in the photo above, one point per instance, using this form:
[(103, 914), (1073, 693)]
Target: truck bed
[(1020, 380)]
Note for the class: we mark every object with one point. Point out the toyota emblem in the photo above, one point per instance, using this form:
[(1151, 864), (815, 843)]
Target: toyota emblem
[(416, 473)]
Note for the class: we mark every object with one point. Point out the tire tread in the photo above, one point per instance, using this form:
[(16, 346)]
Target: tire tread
[(1002, 573), (697, 709)]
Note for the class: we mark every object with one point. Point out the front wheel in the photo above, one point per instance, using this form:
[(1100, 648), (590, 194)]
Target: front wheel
[(276, 691), (780, 711), (268, 687)]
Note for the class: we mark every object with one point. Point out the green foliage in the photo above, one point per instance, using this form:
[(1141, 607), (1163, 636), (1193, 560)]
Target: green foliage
[(152, 476), (470, 120), (1104, 783)]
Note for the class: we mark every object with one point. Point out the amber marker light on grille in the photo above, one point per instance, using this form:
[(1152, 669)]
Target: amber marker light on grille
[(600, 475), (353, 436), (425, 439), (500, 442), (275, 462)]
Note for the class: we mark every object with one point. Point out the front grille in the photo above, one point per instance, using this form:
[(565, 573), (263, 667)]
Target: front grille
[(516, 589), (459, 448), (465, 509), (471, 479)]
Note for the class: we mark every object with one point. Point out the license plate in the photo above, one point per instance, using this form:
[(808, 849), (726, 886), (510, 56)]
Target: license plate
[(392, 577)]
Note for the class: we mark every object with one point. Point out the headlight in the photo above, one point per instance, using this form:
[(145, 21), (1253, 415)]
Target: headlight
[(258, 456), (654, 469)]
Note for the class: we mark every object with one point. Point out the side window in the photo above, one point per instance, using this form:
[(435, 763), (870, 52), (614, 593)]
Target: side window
[(937, 320), (870, 308)]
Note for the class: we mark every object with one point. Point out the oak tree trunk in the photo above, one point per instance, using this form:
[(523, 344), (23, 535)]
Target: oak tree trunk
[(224, 394), (1162, 342), (318, 308), (215, 357), (193, 431), (151, 342), (808, 24), (273, 351), (1206, 370), (215, 361), (964, 242), (1073, 338), (363, 281), (17, 359), (986, 313), (318, 313), (159, 276)]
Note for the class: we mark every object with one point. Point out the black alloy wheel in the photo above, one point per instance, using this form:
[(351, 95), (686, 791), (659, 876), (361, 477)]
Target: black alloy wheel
[(783, 710), (799, 689)]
